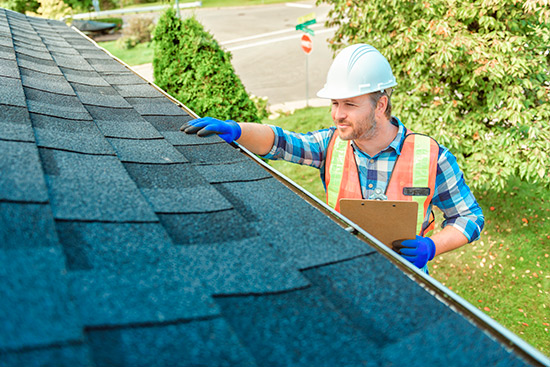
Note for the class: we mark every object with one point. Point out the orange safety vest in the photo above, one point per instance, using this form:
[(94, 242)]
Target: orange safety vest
[(412, 179)]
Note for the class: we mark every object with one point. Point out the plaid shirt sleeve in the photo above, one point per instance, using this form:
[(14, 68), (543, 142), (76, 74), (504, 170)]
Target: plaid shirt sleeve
[(307, 149), (453, 196)]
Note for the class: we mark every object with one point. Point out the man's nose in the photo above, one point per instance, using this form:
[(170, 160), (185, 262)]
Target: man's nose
[(338, 113)]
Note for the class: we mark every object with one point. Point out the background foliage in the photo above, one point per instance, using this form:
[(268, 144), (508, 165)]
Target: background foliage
[(191, 66), (472, 74), (137, 30)]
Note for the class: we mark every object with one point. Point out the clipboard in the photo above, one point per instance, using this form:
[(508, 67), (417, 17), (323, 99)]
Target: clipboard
[(386, 220)]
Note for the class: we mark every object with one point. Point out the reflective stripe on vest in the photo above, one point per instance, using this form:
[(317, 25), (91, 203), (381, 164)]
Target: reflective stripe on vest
[(336, 171), (341, 175), (413, 177)]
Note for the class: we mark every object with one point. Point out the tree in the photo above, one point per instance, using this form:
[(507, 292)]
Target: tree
[(22, 6), (52, 9), (191, 66), (472, 74)]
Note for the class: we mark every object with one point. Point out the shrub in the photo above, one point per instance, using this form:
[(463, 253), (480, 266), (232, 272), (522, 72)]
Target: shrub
[(474, 74), (191, 66), (138, 30)]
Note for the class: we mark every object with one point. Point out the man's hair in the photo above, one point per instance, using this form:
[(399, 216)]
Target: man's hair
[(375, 97)]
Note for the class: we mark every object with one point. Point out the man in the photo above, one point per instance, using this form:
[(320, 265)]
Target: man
[(370, 154)]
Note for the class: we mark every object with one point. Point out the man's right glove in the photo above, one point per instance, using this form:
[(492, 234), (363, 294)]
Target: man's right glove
[(227, 130), (418, 251)]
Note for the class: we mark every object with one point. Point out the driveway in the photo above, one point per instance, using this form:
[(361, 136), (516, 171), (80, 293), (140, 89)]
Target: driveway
[(266, 50)]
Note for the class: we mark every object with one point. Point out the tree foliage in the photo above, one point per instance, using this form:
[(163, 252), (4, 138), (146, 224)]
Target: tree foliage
[(474, 74), (51, 9), (22, 6), (191, 66)]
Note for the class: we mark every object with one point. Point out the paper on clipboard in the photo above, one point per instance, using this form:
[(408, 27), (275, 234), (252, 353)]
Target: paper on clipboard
[(386, 220)]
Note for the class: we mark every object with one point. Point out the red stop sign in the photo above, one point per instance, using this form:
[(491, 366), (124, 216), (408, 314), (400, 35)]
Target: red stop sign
[(307, 44)]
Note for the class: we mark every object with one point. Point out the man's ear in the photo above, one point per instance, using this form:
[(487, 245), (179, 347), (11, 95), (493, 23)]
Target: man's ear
[(381, 105)]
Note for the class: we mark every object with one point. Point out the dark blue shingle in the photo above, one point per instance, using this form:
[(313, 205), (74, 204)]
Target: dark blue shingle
[(100, 113), (40, 65), (199, 199), (100, 96), (8, 68), (69, 355), (353, 285), (139, 295), (46, 82), (208, 342), (245, 266), (43, 316), (137, 129), (234, 172), (129, 90), (157, 151), (156, 106), (15, 124), (95, 245), (164, 176), (264, 202), (26, 226), (277, 331), (212, 154), (83, 77), (55, 105), (12, 92), (35, 51), (65, 134), (22, 178), (91, 187), (457, 340), (120, 78), (207, 228), (6, 51)]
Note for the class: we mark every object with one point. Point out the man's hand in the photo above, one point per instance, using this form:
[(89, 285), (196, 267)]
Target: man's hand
[(418, 251), (227, 130)]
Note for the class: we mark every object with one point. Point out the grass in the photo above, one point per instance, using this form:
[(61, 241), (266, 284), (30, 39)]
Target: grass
[(141, 54), (505, 273)]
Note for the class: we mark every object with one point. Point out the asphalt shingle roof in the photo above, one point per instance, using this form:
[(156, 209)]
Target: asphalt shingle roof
[(124, 242)]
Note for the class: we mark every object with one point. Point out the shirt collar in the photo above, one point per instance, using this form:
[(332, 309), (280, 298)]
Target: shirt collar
[(396, 142)]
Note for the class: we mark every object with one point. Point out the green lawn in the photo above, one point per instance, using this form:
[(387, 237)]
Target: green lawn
[(141, 54), (506, 273)]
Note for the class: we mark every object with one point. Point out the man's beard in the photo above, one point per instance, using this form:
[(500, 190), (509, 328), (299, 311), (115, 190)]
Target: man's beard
[(365, 130)]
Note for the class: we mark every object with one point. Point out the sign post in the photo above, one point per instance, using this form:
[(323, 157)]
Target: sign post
[(306, 43), (307, 46)]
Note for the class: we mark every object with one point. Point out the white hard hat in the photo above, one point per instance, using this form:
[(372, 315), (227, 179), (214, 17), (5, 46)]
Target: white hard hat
[(358, 69)]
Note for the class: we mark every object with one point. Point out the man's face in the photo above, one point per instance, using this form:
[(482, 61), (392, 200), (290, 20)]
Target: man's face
[(354, 117)]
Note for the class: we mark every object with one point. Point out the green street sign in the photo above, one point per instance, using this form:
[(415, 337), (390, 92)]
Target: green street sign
[(304, 26)]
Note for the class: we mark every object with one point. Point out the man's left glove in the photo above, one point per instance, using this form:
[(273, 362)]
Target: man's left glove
[(227, 130), (418, 251)]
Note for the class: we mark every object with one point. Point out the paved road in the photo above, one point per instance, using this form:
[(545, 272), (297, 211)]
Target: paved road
[(266, 49)]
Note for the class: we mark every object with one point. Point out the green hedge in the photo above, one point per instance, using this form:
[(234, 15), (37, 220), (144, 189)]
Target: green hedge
[(191, 66)]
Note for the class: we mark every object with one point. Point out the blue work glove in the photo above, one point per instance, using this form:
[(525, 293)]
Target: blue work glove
[(418, 251), (227, 130)]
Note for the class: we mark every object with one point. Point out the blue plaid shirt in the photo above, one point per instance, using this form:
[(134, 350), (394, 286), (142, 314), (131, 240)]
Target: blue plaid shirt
[(452, 195)]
